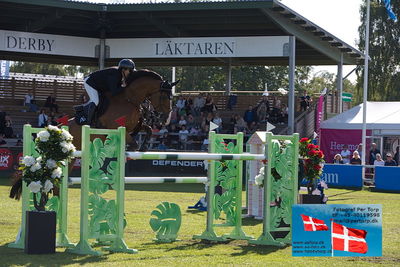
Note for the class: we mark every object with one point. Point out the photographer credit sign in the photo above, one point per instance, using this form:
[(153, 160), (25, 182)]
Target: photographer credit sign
[(337, 230)]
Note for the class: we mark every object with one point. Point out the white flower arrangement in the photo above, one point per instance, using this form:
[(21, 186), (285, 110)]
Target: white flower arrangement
[(259, 179), (44, 173)]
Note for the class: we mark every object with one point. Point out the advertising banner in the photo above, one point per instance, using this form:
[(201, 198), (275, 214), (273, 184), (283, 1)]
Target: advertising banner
[(6, 159), (337, 230), (387, 178), (342, 175), (333, 140)]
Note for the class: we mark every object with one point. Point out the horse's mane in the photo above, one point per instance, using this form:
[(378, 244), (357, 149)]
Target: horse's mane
[(143, 73)]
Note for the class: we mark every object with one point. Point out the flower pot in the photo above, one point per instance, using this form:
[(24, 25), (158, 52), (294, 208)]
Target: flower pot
[(40, 232), (310, 199)]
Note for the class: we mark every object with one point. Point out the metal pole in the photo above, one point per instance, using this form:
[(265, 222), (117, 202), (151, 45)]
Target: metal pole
[(228, 78), (102, 48), (173, 79), (292, 65), (340, 83), (364, 128)]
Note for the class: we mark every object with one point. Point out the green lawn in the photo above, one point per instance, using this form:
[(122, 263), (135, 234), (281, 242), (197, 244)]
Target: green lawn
[(142, 199)]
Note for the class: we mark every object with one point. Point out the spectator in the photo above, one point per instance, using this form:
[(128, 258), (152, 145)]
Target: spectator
[(180, 104), (8, 130), (209, 106), (174, 116), (305, 101), (345, 153), (190, 122), (206, 121), (249, 115), (51, 103), (378, 160), (19, 143), (52, 119), (162, 146), (396, 155), (198, 104), (183, 137), (218, 121), (2, 141), (240, 126), (252, 127), (338, 159), (359, 150), (195, 131), (372, 154), (42, 118), (189, 105), (262, 112), (232, 123), (163, 130), (277, 103), (232, 101), (30, 102), (355, 160), (389, 160), (182, 121)]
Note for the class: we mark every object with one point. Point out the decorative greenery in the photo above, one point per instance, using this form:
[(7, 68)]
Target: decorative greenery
[(167, 222), (43, 173), (226, 171), (313, 160), (102, 173)]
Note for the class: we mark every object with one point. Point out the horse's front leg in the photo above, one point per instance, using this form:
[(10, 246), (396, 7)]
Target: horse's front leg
[(145, 143)]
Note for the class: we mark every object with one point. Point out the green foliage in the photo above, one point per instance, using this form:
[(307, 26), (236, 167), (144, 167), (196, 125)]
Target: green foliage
[(384, 51), (50, 69), (167, 222)]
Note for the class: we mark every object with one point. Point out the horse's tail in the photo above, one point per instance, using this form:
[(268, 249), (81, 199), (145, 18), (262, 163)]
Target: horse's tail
[(16, 188)]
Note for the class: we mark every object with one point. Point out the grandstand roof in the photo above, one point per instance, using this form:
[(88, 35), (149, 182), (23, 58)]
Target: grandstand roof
[(314, 46)]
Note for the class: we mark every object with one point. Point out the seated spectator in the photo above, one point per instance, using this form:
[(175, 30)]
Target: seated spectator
[(355, 160), (345, 153), (206, 121), (305, 101), (162, 145), (277, 103), (183, 137), (253, 127), (389, 160), (262, 112), (163, 130), (218, 121), (249, 115), (51, 103), (372, 153), (30, 102), (19, 143), (189, 105), (42, 118), (174, 115), (190, 122), (198, 104), (195, 131), (240, 126), (180, 104), (379, 161), (337, 159), (182, 122), (2, 141), (359, 150)]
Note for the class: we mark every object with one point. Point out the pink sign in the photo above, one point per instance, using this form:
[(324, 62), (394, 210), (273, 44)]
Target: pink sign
[(333, 140)]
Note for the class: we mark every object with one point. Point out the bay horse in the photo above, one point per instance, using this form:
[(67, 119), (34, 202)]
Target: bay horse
[(141, 85)]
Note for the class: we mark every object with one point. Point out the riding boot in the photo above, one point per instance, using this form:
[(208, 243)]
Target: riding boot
[(89, 112)]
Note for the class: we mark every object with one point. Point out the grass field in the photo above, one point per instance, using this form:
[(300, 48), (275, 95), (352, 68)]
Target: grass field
[(142, 199)]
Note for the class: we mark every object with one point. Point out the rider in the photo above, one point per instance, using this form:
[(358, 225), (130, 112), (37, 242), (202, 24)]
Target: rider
[(110, 79)]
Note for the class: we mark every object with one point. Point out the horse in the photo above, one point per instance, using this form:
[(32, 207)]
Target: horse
[(141, 85)]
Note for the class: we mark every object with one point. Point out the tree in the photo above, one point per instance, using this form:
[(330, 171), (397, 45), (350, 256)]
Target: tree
[(384, 51)]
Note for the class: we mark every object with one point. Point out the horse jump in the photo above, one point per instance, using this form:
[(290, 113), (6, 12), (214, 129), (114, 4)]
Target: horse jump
[(225, 171)]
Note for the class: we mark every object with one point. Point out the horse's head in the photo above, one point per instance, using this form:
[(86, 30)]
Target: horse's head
[(162, 101)]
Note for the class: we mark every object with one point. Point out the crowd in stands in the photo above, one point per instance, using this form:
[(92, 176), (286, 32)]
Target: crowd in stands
[(374, 157), (191, 118)]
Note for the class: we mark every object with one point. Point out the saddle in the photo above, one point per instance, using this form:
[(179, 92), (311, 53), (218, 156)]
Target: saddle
[(81, 116)]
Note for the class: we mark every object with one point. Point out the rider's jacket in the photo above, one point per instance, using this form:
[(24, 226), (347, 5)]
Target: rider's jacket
[(106, 80)]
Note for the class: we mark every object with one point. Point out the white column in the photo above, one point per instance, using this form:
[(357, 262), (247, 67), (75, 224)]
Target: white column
[(292, 65), (340, 83)]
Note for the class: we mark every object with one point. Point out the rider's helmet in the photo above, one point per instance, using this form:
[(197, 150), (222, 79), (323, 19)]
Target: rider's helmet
[(126, 64)]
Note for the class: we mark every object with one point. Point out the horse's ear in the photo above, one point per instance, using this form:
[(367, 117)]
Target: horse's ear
[(175, 83)]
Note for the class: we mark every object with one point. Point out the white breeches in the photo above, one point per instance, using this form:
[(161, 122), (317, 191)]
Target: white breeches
[(92, 93)]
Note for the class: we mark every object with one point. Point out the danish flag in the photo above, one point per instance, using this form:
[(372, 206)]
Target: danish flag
[(348, 239), (312, 224)]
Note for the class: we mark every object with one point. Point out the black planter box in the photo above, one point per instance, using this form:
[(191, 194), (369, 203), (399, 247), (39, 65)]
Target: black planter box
[(40, 232), (310, 199)]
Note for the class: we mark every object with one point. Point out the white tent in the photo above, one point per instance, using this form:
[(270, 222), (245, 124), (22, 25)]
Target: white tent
[(380, 116)]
